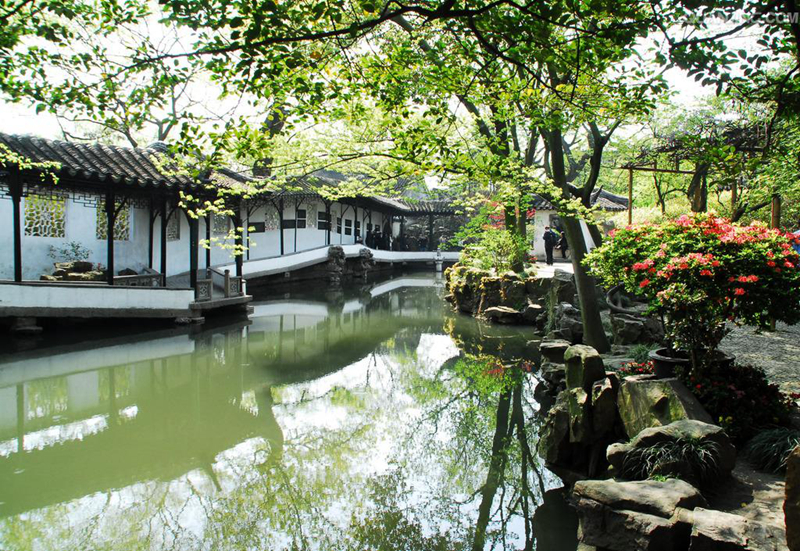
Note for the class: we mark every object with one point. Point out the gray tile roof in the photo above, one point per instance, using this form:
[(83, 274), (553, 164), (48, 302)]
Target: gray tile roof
[(101, 163)]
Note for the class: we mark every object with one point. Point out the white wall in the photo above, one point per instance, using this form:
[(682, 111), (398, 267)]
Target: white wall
[(133, 253), (541, 220), (80, 226)]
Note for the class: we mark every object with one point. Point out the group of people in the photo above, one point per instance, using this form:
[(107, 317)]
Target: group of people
[(553, 239), (376, 239)]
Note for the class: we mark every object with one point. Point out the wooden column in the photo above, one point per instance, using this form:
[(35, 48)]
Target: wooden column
[(208, 240), (152, 220), (328, 233), (280, 222), (194, 237), (110, 215), (239, 240), (775, 222), (630, 196), (164, 222), (15, 187)]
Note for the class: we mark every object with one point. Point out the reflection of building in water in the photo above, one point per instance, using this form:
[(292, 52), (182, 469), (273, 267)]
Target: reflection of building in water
[(91, 417)]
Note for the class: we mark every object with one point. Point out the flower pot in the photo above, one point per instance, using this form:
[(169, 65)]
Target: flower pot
[(665, 361)]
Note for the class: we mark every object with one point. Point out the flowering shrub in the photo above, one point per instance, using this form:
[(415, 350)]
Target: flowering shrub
[(740, 399), (635, 368), (700, 271)]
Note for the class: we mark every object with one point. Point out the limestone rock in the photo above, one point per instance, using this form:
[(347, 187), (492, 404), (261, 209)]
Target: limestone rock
[(503, 315), (48, 278), (724, 451), (531, 313), (553, 445), (643, 496), (718, 531), (604, 405), (512, 289), (628, 329), (580, 416), (537, 288), (76, 266), (791, 507), (635, 515), (567, 321), (562, 286), (553, 373), (553, 350), (127, 272), (645, 402), (491, 293), (584, 367)]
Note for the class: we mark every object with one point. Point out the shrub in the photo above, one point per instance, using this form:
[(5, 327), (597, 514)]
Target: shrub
[(769, 450), (495, 250), (69, 252), (690, 459), (740, 399), (641, 352), (698, 272)]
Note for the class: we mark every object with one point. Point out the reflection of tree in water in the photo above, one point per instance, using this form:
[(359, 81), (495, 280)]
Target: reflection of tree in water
[(397, 453)]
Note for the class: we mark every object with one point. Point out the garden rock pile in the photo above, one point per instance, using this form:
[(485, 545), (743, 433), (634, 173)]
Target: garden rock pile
[(77, 270), (547, 303), (630, 329)]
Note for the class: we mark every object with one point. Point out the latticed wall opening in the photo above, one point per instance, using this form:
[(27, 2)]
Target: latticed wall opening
[(174, 228), (220, 225), (45, 216), (122, 225)]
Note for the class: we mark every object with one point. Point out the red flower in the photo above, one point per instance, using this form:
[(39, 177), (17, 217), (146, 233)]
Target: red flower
[(738, 291), (644, 283), (771, 264), (706, 273)]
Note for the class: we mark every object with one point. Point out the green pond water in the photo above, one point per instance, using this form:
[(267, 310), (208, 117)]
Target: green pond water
[(352, 419)]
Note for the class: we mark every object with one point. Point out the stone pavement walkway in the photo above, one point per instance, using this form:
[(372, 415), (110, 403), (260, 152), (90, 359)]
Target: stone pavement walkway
[(777, 352)]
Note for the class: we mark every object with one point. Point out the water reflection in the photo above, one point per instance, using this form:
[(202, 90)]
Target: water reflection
[(345, 421)]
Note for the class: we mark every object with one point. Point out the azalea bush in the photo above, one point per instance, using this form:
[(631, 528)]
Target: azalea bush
[(699, 272)]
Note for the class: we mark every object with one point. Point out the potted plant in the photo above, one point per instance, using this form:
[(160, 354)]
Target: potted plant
[(700, 272)]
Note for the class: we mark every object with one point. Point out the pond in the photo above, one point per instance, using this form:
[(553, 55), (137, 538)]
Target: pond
[(370, 418)]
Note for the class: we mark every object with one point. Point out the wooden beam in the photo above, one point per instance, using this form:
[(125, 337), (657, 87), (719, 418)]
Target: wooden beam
[(649, 169), (110, 216), (776, 211), (209, 218), (15, 188), (164, 221), (630, 196), (194, 237)]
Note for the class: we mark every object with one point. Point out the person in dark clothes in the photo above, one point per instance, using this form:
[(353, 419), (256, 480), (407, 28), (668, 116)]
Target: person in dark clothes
[(550, 239), (563, 245)]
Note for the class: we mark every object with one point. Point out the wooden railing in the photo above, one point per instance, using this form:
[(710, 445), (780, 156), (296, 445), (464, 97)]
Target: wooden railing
[(141, 280)]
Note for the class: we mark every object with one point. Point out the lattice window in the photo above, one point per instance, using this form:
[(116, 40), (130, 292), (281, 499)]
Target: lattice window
[(174, 227), (271, 219), (221, 224), (45, 216), (311, 217), (122, 225)]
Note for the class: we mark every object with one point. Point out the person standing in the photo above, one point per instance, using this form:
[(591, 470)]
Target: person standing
[(563, 245), (550, 239)]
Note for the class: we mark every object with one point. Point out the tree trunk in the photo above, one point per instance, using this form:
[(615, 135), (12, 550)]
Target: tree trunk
[(597, 236), (593, 333), (697, 191)]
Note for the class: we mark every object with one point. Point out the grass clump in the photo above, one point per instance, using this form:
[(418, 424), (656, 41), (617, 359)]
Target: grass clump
[(769, 450), (690, 459)]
